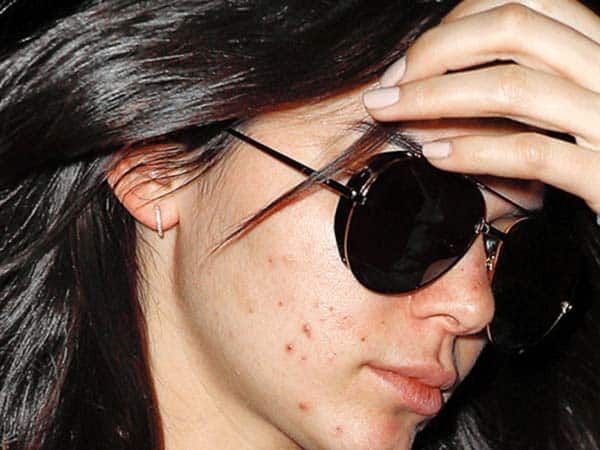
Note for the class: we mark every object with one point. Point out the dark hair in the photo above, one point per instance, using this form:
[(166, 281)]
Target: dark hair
[(80, 83)]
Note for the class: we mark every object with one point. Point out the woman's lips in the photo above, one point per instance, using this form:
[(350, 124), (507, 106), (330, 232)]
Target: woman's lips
[(420, 398)]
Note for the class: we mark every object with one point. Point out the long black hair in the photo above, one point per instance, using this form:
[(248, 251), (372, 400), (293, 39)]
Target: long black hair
[(80, 83)]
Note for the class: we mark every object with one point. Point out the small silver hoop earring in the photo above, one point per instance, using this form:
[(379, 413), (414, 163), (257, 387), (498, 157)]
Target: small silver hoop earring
[(159, 228)]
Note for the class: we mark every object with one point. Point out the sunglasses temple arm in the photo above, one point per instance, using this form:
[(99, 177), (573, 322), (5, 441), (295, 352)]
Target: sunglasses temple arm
[(498, 194), (344, 191)]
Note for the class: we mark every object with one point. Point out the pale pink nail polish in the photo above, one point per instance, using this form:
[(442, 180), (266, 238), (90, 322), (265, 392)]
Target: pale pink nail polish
[(437, 150), (394, 73), (381, 98)]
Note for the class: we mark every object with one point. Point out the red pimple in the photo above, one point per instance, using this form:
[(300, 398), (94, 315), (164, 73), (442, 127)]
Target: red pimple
[(289, 348), (307, 330), (303, 406), (339, 430)]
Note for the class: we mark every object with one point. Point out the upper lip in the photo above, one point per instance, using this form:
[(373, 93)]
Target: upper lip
[(432, 375)]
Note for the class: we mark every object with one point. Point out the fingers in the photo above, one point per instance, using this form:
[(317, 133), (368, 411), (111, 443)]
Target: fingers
[(512, 91), (552, 82), (523, 155), (512, 32), (569, 12)]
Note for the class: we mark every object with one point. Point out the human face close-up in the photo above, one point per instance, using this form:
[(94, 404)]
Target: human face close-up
[(286, 347)]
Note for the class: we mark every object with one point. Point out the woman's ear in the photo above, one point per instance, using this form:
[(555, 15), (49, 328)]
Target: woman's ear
[(140, 190)]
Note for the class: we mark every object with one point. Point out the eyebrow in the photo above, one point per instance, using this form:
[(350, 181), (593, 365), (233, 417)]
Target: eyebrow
[(393, 135)]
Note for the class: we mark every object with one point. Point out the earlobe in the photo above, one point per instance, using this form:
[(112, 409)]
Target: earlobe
[(142, 192)]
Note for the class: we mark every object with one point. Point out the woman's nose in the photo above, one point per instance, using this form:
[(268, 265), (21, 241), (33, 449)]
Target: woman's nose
[(461, 300)]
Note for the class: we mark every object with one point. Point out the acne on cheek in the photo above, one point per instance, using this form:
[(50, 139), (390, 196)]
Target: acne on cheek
[(303, 406), (345, 322), (307, 330), (280, 261)]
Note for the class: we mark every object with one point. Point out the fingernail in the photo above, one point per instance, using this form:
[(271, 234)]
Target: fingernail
[(380, 98), (394, 73), (436, 150)]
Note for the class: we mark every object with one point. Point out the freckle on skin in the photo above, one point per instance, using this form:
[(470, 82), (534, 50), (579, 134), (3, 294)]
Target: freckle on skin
[(303, 357), (363, 339), (251, 311), (331, 309), (307, 330), (289, 348), (383, 322), (339, 430), (280, 303)]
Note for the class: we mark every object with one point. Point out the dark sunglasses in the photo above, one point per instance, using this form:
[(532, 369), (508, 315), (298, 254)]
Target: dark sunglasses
[(401, 224)]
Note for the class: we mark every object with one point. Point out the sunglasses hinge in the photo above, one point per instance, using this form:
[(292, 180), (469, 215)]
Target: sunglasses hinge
[(482, 227)]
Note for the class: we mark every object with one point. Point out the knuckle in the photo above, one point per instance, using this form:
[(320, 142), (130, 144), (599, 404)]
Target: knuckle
[(420, 98), (514, 18), (532, 153), (479, 156), (513, 86)]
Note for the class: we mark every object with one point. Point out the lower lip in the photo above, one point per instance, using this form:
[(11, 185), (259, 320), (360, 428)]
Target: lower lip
[(418, 397)]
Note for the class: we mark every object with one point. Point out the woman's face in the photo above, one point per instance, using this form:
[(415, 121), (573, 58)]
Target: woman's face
[(282, 338)]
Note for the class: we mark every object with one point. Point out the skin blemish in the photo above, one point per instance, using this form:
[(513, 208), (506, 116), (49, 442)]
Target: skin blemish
[(307, 330), (251, 311), (331, 356), (280, 303), (345, 323), (363, 339), (339, 430), (304, 357), (289, 348), (303, 406), (331, 309)]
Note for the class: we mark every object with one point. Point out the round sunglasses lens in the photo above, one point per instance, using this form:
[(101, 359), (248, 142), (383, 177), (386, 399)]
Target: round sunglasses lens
[(533, 282), (415, 224)]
